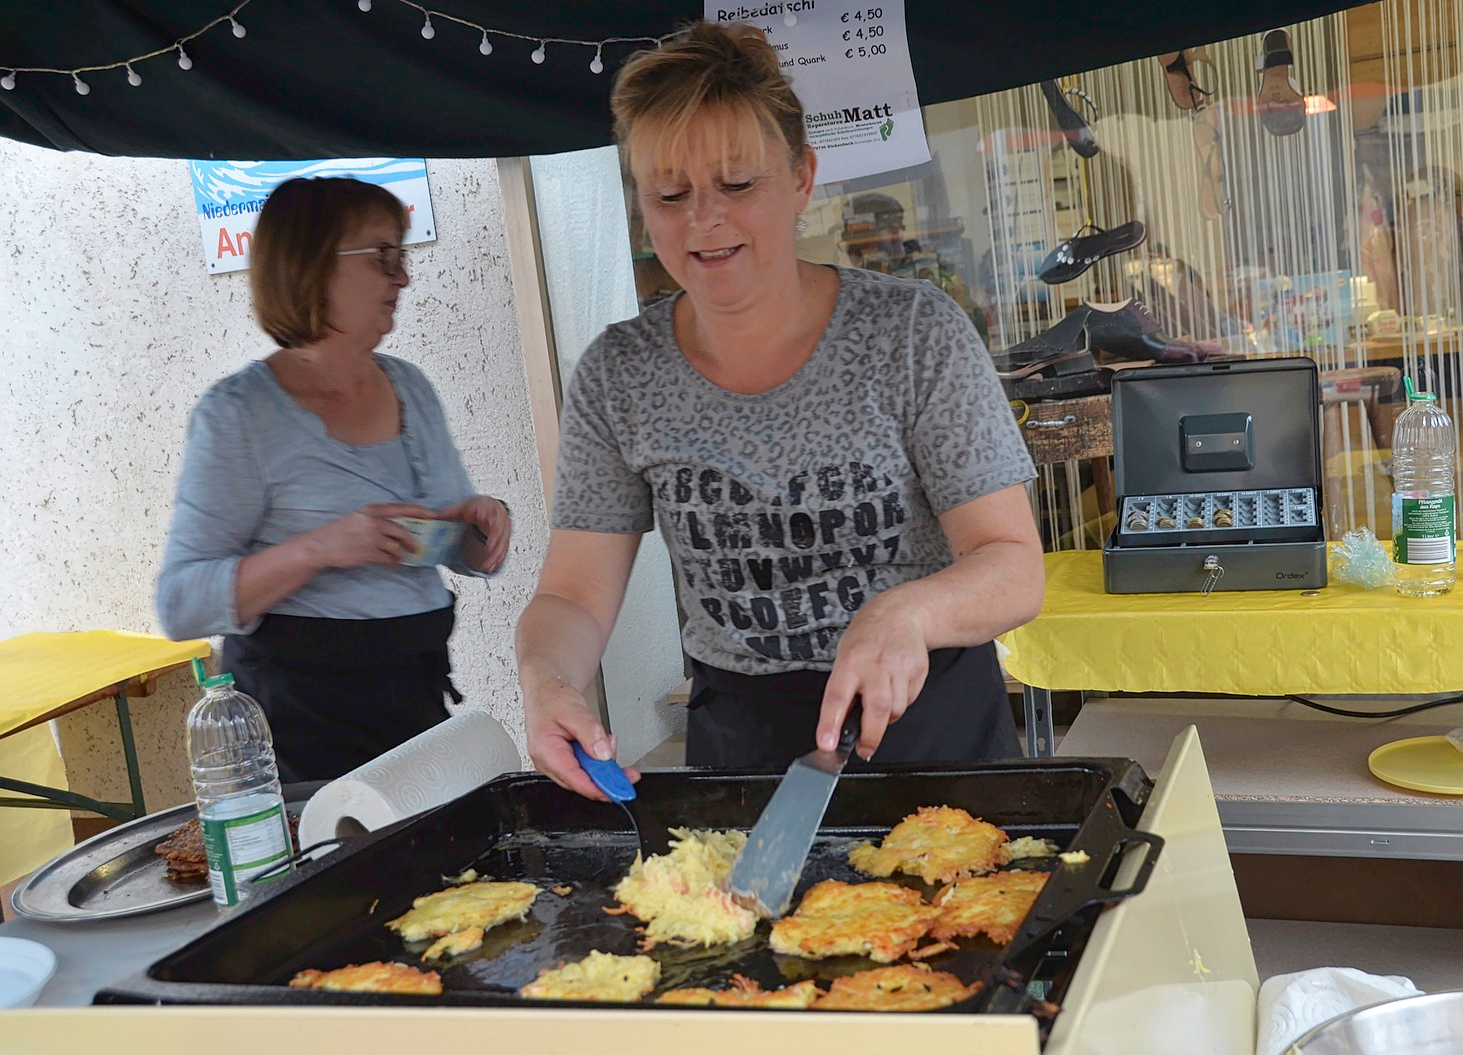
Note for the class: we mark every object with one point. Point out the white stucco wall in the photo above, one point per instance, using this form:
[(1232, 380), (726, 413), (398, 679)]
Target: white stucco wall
[(585, 237), (112, 328)]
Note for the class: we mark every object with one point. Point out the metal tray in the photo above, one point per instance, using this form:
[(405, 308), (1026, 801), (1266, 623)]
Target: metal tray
[(116, 873), (333, 912)]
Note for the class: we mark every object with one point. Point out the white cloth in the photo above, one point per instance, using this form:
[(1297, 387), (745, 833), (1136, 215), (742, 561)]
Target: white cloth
[(1291, 1004)]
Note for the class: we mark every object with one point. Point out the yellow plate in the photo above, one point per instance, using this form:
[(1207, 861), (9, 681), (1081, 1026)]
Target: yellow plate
[(1423, 763)]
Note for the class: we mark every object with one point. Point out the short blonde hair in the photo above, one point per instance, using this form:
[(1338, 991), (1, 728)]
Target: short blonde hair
[(726, 72), (292, 255)]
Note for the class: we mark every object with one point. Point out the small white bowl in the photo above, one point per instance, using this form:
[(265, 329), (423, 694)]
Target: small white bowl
[(25, 968)]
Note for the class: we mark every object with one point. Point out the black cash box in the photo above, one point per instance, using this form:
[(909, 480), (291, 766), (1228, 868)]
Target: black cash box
[(1218, 476)]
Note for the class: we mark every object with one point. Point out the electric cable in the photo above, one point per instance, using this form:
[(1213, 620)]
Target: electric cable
[(1399, 713)]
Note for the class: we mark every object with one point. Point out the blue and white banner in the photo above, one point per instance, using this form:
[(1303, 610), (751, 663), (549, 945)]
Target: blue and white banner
[(229, 195)]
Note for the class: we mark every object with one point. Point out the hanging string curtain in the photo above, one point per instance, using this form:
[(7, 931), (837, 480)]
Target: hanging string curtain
[(338, 78)]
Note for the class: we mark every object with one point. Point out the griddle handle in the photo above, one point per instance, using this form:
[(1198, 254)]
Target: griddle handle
[(1136, 885)]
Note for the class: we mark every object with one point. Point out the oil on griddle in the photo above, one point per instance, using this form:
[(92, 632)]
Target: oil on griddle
[(563, 928)]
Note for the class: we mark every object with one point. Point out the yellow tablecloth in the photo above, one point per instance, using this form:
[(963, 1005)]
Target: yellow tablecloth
[(1344, 639), (40, 673)]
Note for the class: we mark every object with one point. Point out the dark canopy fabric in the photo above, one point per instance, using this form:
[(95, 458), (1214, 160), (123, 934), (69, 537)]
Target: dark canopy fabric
[(320, 78)]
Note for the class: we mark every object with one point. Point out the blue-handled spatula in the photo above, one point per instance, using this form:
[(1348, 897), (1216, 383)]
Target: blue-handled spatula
[(611, 779)]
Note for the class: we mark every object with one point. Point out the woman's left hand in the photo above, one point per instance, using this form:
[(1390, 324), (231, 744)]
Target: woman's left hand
[(883, 659), (489, 516)]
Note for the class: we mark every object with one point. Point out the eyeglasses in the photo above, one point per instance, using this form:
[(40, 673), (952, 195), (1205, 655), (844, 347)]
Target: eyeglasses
[(388, 257)]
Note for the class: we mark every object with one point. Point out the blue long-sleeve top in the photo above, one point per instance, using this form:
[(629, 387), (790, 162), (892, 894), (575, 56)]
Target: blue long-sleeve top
[(259, 469)]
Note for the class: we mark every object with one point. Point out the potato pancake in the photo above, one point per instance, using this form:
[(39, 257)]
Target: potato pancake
[(937, 843), (908, 987), (744, 992), (460, 908), (376, 977), (682, 896), (455, 944), (599, 976), (993, 905), (882, 921)]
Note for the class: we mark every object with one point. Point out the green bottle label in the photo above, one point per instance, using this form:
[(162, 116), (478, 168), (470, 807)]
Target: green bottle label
[(239, 848), (1423, 530)]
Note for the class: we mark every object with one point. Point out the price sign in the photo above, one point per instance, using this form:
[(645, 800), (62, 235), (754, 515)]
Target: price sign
[(849, 64)]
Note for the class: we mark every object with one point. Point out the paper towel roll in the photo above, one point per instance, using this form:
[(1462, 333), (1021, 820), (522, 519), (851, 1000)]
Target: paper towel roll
[(448, 760)]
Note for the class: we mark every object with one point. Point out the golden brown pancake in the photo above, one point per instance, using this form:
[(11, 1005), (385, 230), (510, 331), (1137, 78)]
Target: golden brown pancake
[(882, 921), (993, 905), (599, 976), (937, 843), (908, 987), (375, 977)]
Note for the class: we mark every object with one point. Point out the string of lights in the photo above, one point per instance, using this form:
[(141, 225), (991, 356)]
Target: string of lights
[(539, 54), (485, 45), (134, 78)]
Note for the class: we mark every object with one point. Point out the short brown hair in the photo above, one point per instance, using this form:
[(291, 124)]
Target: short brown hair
[(730, 71), (292, 256)]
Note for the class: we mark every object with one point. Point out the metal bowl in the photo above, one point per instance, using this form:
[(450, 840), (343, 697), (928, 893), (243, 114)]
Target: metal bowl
[(1431, 1024)]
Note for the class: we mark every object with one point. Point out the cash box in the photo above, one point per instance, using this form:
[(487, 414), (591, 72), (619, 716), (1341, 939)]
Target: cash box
[(1218, 476)]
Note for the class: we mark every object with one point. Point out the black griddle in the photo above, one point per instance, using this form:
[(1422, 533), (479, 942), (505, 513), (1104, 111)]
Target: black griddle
[(524, 827)]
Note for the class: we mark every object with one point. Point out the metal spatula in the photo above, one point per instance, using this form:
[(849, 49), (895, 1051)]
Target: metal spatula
[(769, 866), (611, 779)]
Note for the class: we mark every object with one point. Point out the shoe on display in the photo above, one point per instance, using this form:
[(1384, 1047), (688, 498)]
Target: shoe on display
[(1078, 361), (1074, 127), (1066, 336), (1127, 330), (1074, 256), (1278, 101), (1179, 75)]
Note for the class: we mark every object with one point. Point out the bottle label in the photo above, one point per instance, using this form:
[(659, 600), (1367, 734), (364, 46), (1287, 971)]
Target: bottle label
[(1423, 529), (241, 847)]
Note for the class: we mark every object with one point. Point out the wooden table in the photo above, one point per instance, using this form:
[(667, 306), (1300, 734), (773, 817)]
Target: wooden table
[(45, 676)]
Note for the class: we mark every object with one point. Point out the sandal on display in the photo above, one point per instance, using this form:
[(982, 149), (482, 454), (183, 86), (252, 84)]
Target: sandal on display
[(1074, 256), (1078, 361), (1214, 199), (1074, 127), (1281, 106), (1178, 71), (1065, 337), (1127, 330)]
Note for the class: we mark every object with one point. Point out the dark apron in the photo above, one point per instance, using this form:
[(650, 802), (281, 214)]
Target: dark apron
[(764, 721), (339, 692)]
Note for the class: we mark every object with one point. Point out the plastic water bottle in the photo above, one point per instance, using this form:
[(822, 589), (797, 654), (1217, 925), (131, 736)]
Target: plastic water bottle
[(1424, 527), (240, 803)]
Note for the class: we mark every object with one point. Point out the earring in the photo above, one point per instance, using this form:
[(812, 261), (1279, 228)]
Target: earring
[(801, 227)]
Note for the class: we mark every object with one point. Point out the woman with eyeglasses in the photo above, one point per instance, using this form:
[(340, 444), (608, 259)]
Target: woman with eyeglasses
[(286, 534)]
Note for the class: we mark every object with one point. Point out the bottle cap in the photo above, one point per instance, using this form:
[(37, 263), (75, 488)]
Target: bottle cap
[(200, 676)]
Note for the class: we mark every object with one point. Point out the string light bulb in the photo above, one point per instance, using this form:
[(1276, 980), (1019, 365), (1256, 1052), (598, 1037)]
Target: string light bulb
[(427, 31), (184, 62), (133, 77), (364, 5), (486, 47), (82, 88), (8, 82), (539, 54), (597, 64), (239, 30)]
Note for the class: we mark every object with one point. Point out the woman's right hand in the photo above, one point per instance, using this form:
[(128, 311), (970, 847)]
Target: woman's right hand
[(368, 536), (555, 717)]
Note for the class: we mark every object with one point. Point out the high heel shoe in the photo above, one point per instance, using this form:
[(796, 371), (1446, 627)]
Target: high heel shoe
[(1065, 337), (1074, 127), (1081, 251)]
